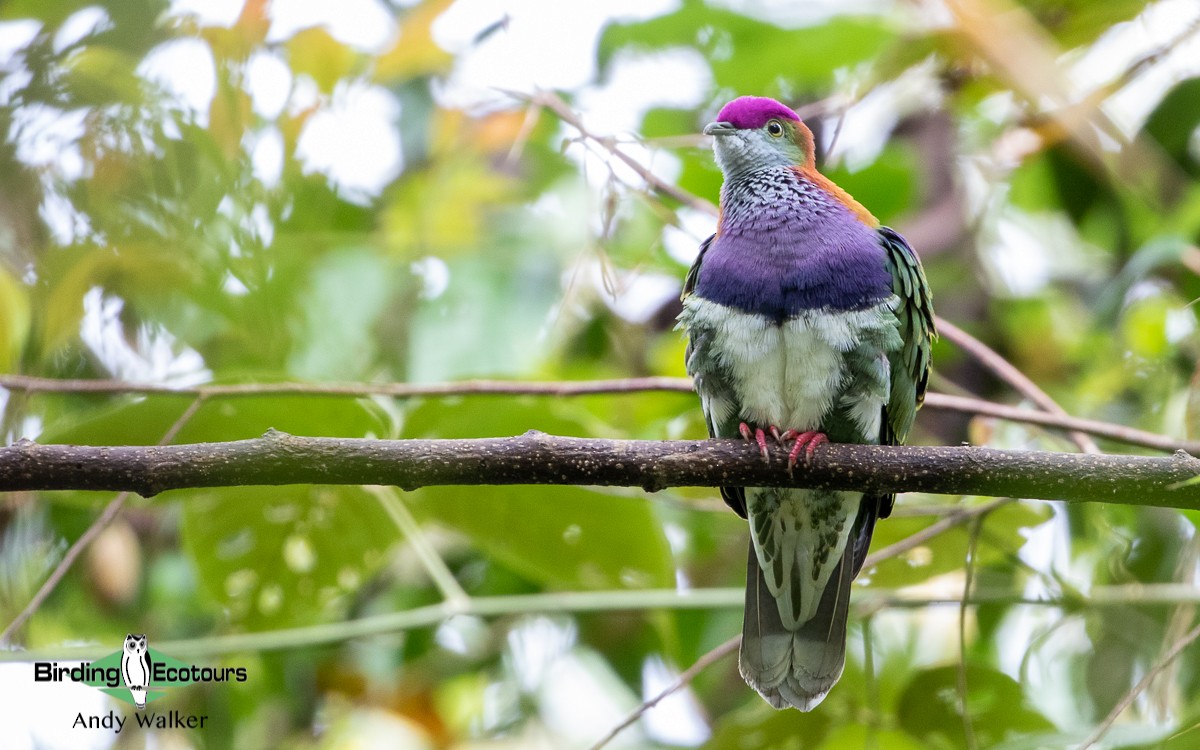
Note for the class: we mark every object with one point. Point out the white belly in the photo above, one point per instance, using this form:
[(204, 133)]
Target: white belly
[(792, 374)]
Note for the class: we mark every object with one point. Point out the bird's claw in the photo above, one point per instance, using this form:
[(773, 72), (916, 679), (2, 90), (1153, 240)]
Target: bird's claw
[(804, 441), (757, 436)]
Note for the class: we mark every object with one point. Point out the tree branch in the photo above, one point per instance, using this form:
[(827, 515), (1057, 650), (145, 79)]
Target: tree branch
[(570, 388), (1009, 373), (686, 676), (106, 517), (866, 601), (555, 104), (536, 458)]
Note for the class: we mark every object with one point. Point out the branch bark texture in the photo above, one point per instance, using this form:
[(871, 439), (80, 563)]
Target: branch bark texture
[(537, 458)]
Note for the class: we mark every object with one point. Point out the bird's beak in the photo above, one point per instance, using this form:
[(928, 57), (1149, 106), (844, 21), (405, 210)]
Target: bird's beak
[(719, 128)]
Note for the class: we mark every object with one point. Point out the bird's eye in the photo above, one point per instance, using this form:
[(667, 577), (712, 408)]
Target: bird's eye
[(775, 128)]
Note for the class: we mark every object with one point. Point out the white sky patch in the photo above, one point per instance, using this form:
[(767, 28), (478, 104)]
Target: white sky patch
[(790, 13), (12, 82), (259, 222), (153, 356), (683, 243), (66, 224), (209, 12), (1047, 547), (535, 645), (633, 295), (638, 83), (677, 719), (269, 82), (1018, 258), (1180, 325), (1127, 42), (15, 36), (354, 141), (39, 715), (434, 275), (305, 94), (598, 166), (365, 24), (186, 69), (868, 124), (465, 635), (44, 132), (233, 286), (674, 79), (1028, 250), (1041, 647), (80, 25), (266, 156), (546, 44), (582, 698)]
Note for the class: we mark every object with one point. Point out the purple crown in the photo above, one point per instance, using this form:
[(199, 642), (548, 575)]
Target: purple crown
[(748, 112)]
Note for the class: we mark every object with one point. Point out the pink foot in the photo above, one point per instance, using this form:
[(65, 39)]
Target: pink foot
[(756, 436), (806, 441)]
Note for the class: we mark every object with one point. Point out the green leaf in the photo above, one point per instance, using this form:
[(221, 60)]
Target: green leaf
[(886, 186), (861, 735), (1078, 22), (930, 708), (314, 52), (285, 556), (347, 296), (50, 12), (144, 420), (1174, 121), (99, 75), (564, 537), (461, 333), (999, 542), (757, 726), (560, 536), (14, 320), (748, 55)]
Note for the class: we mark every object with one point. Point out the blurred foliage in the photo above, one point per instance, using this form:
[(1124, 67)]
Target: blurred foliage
[(148, 235)]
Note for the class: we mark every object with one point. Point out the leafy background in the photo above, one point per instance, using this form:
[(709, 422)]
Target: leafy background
[(311, 206)]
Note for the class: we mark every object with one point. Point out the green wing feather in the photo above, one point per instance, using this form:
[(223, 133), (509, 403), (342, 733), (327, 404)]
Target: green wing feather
[(910, 365), (708, 376)]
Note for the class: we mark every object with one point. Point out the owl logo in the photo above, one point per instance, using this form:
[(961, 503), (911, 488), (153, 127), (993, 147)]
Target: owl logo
[(135, 668)]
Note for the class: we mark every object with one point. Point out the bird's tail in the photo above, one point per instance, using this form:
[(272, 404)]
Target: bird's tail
[(795, 667)]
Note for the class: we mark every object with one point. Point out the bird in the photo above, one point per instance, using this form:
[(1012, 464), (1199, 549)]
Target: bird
[(807, 322)]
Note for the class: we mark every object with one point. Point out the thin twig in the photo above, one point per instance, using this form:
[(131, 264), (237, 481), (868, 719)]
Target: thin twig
[(1107, 430), (572, 388), (877, 557), (689, 674), (100, 524), (1139, 66), (865, 602), (924, 535), (1167, 659), (34, 384), (963, 692), (554, 103), (872, 683), (1005, 370), (442, 577)]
